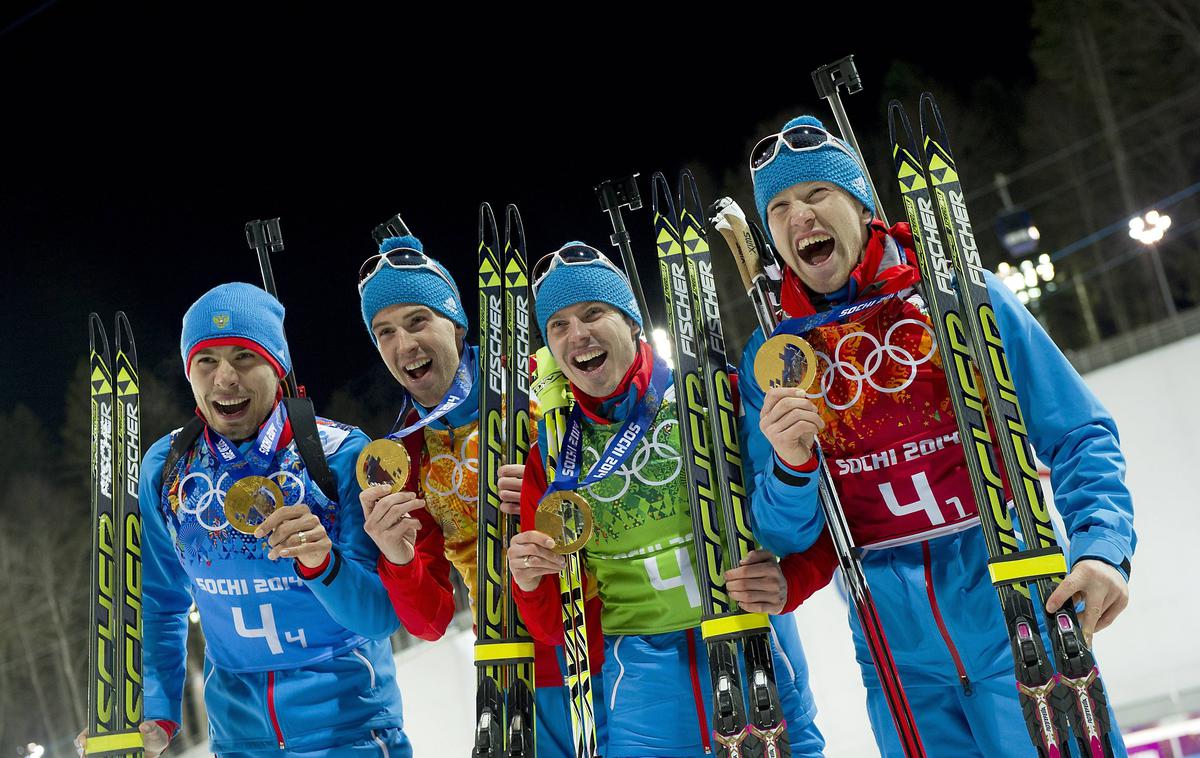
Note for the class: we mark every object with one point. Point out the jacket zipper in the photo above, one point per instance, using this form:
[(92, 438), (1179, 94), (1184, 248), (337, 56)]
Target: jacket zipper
[(271, 709), (697, 692), (941, 625)]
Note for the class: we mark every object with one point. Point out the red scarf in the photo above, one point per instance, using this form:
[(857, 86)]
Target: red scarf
[(866, 280), (600, 410)]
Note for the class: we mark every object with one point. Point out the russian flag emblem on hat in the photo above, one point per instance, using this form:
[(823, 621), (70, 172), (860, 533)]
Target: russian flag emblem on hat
[(221, 319)]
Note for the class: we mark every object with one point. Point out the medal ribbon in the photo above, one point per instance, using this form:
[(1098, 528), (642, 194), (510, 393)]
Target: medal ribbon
[(623, 444), (259, 457), (805, 324), (460, 390)]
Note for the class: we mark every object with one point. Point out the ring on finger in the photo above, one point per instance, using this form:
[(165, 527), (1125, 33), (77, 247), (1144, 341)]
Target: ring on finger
[(527, 561), (302, 537)]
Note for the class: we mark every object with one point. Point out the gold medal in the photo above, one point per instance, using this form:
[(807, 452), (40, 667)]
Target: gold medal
[(785, 360), (250, 500), (383, 462), (566, 517)]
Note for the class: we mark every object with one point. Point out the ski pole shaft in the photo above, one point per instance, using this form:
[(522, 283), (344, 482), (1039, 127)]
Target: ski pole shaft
[(264, 238), (828, 80)]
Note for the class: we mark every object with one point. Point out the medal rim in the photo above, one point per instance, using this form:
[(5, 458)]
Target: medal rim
[(581, 503)]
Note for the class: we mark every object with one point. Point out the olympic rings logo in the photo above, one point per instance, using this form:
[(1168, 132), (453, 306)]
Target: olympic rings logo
[(199, 503), (651, 445), (837, 367), (462, 465)]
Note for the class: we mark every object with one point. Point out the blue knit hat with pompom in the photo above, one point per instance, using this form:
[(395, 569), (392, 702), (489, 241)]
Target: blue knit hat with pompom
[(390, 286), (568, 285), (825, 164)]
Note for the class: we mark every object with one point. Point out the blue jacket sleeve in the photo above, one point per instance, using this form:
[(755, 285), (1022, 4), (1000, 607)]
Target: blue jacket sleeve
[(784, 511), (349, 587), (166, 599), (1072, 433)]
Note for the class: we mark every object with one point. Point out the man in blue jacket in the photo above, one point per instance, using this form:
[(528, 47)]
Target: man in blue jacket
[(882, 413), (295, 619)]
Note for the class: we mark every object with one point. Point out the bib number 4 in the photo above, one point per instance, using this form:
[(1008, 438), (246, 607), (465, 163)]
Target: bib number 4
[(267, 631), (685, 579), (925, 503)]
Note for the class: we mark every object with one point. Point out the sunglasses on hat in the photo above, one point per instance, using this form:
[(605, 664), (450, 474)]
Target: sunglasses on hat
[(402, 259), (570, 255), (799, 139)]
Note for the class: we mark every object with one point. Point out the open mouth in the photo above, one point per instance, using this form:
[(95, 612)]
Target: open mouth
[(419, 368), (816, 249), (590, 361), (230, 408)]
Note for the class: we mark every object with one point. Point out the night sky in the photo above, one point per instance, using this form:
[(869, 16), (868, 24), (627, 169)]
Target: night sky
[(138, 141)]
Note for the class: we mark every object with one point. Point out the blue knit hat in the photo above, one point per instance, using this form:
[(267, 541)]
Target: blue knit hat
[(567, 285), (825, 164), (390, 286), (236, 314)]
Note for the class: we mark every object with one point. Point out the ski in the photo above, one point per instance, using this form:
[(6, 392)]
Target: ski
[(1078, 677), (115, 636), (1043, 703), (746, 245), (499, 653), (766, 729), (519, 707), (723, 625), (553, 394)]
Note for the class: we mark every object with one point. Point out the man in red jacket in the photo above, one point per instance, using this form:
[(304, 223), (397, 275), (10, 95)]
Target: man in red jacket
[(414, 313)]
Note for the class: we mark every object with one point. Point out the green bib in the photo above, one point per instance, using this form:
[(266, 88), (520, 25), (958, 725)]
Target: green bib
[(641, 552)]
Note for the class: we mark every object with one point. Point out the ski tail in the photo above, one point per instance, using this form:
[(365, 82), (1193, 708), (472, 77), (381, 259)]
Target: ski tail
[(520, 708), (494, 650), (553, 392), (1045, 716), (1080, 682)]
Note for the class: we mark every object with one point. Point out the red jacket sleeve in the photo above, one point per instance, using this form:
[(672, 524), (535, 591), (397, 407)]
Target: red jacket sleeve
[(541, 610), (421, 591), (808, 572)]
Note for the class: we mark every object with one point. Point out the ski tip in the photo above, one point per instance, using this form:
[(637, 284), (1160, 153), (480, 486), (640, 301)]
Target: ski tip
[(897, 117), (488, 230), (689, 194), (124, 334), (97, 336), (661, 194)]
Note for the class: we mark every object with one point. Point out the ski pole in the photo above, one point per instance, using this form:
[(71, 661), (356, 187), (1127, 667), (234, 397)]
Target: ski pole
[(614, 195), (828, 79), (264, 238)]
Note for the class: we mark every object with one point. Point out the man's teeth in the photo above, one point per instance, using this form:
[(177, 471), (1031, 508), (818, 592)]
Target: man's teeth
[(814, 239), (417, 364), (229, 404), (585, 357)]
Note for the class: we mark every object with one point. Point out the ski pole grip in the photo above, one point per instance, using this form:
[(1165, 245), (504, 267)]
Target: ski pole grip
[(840, 73), (730, 221), (393, 227)]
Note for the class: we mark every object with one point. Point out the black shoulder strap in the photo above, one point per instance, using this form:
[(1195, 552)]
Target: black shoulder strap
[(308, 444), (180, 446)]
